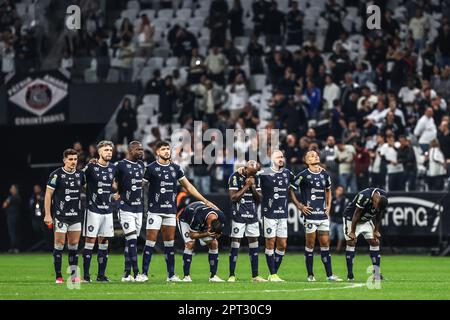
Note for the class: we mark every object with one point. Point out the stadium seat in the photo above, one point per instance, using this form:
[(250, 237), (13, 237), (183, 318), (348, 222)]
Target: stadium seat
[(195, 31), (142, 118), (164, 53), (181, 22), (150, 13), (292, 48), (113, 76), (172, 62), (257, 82), (201, 13), (242, 41), (196, 23), (167, 71), (152, 99), (134, 4), (161, 24), (184, 14), (90, 76), (131, 14), (138, 64), (166, 14)]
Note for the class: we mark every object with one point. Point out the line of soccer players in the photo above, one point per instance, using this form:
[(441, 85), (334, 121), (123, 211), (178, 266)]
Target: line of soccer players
[(129, 180)]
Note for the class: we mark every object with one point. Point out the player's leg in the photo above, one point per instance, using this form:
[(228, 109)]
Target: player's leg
[(350, 250), (73, 238), (281, 243), (58, 247), (252, 234), (374, 249), (323, 230), (168, 229), (154, 222), (105, 232), (310, 241), (237, 233), (213, 258), (90, 232), (187, 258), (269, 226), (129, 225), (125, 220)]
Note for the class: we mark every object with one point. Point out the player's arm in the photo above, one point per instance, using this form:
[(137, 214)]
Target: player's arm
[(377, 222), (199, 235), (257, 195), (237, 194), (194, 192), (47, 205), (355, 220), (328, 199)]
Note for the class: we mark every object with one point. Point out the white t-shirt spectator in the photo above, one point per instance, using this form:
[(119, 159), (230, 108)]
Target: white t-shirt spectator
[(391, 155), (216, 63), (408, 95), (418, 27), (330, 93), (345, 158), (238, 98), (8, 61), (436, 164), (379, 153), (425, 130)]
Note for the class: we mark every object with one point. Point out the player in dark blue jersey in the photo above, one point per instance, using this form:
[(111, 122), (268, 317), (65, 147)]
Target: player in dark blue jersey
[(63, 202), (129, 178), (245, 194), (199, 221), (98, 222), (314, 185), (162, 177), (275, 184), (363, 216)]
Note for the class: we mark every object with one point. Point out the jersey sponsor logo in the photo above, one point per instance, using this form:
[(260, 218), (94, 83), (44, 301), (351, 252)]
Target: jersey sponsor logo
[(133, 188), (67, 198)]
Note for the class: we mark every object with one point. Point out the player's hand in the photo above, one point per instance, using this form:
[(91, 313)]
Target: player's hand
[(306, 210), (352, 236), (377, 235), (93, 161), (116, 196), (250, 181), (48, 220), (327, 211), (211, 205)]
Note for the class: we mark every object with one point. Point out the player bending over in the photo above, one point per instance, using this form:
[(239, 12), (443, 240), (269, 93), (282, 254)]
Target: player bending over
[(63, 202), (363, 216), (199, 221), (245, 193), (315, 190)]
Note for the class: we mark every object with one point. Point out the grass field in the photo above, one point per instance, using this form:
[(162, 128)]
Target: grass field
[(30, 276)]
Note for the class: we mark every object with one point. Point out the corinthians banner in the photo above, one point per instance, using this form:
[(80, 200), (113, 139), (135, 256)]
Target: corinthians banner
[(38, 98)]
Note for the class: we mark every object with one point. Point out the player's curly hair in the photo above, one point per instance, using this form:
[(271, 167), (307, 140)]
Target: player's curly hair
[(216, 226)]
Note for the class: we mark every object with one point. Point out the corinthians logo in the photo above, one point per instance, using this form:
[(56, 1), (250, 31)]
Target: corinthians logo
[(38, 95)]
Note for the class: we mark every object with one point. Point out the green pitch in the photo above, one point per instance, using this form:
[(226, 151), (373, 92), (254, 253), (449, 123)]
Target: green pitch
[(30, 276)]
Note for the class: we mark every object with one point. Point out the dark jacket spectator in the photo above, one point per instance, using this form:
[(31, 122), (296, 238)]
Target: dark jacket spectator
[(126, 121), (13, 209), (235, 16)]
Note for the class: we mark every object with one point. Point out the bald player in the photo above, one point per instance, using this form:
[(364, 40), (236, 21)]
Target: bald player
[(245, 194)]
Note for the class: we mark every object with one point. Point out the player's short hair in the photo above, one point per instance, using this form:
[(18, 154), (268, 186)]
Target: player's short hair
[(132, 144), (70, 152), (216, 226), (161, 144), (312, 150), (383, 203), (105, 143), (252, 164)]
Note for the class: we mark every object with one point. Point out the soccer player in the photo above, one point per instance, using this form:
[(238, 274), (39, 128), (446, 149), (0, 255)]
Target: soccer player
[(275, 184), (245, 193), (162, 177), (129, 177), (98, 222), (199, 221), (363, 216), (315, 190), (63, 202)]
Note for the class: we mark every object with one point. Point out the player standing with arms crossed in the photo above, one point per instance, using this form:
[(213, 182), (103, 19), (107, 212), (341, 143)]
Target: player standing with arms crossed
[(162, 177), (63, 202), (245, 193), (315, 190), (98, 222)]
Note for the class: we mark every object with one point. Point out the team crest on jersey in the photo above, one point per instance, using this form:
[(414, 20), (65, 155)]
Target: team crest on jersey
[(128, 165), (174, 175), (91, 228), (96, 168), (63, 176), (171, 168), (109, 169), (236, 230), (157, 169)]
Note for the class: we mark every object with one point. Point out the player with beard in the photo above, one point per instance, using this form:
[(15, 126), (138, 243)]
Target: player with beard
[(163, 177), (314, 184)]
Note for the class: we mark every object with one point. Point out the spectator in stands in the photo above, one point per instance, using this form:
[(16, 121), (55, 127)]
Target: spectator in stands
[(12, 207), (213, 99), (155, 84), (331, 92), (186, 99), (235, 16), (82, 156), (443, 136), (409, 93), (333, 13), (126, 29), (419, 26), (145, 37), (202, 171), (328, 159), (255, 52), (25, 53), (238, 95), (275, 26), (389, 25), (287, 83), (352, 133), (183, 43), (126, 57), (362, 163), (344, 156), (376, 54), (248, 119), (395, 169), (197, 67), (276, 66), (102, 57), (294, 25), (313, 98), (36, 206), (338, 204), (167, 101), (436, 170), (215, 63), (237, 70), (362, 75), (233, 55), (7, 55), (218, 21), (441, 83), (260, 9), (427, 61), (425, 130), (126, 122), (292, 117), (407, 157), (442, 42)]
